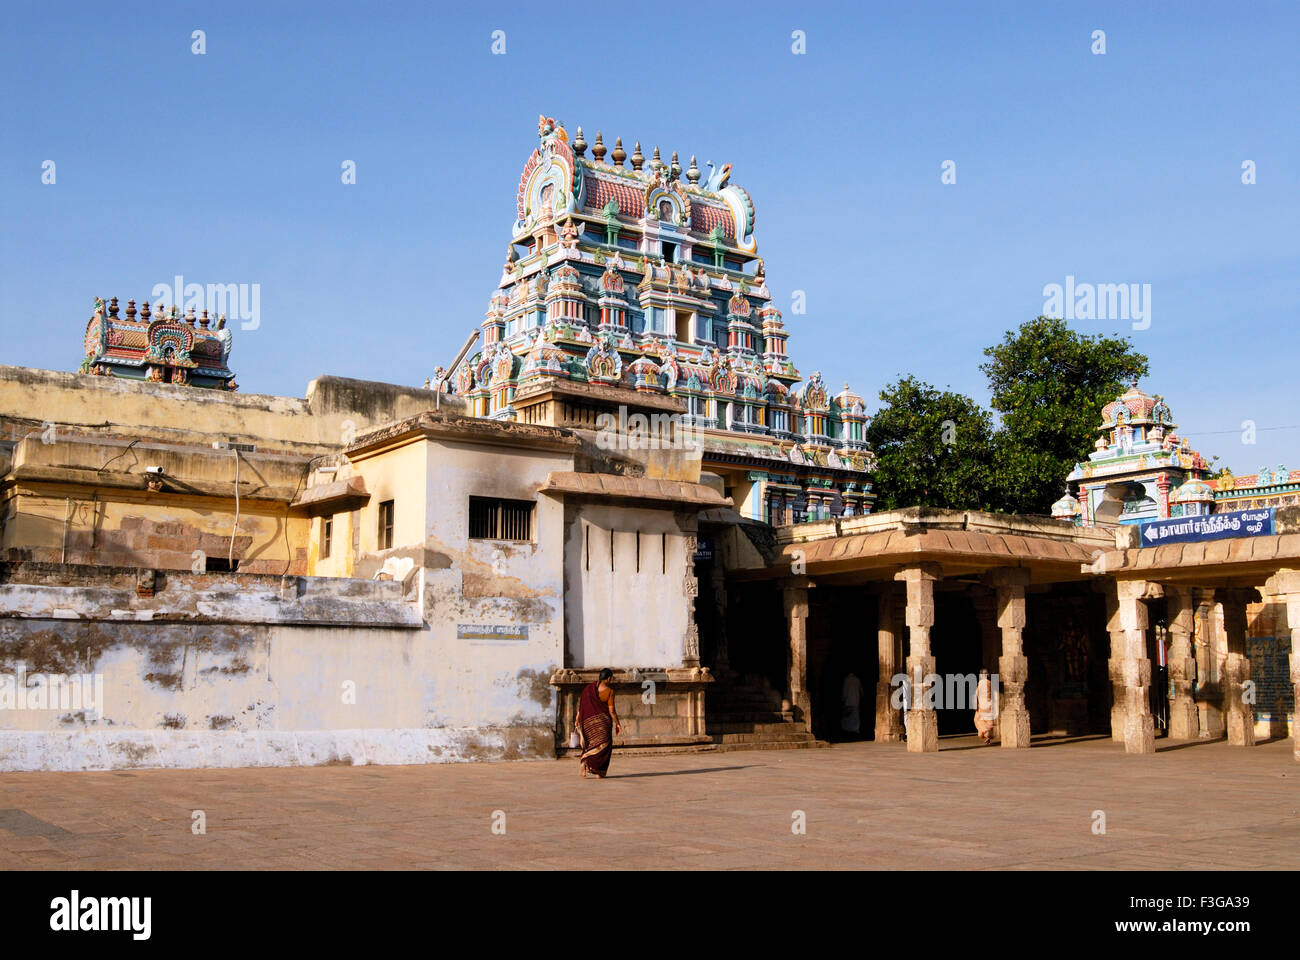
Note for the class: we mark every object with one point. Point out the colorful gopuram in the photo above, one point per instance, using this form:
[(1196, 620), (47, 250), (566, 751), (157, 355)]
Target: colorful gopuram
[(1142, 470), (647, 279), (1139, 470), (1267, 487), (162, 346)]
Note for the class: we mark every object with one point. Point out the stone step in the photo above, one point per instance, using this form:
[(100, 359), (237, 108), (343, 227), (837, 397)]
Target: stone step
[(745, 691), (791, 737), (745, 716), (772, 745), (725, 687), (742, 706), (740, 726)]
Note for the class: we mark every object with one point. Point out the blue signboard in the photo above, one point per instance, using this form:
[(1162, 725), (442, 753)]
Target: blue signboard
[(1215, 526)]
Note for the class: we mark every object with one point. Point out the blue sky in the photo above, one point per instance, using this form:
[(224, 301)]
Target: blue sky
[(1115, 168)]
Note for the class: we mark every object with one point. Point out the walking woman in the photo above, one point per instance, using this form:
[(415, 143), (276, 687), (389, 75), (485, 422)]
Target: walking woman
[(596, 725)]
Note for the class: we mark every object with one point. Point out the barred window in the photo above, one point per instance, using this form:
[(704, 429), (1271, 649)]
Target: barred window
[(493, 519)]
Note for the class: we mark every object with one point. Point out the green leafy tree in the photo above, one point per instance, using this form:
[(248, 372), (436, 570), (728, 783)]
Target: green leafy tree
[(1049, 384), (933, 448)]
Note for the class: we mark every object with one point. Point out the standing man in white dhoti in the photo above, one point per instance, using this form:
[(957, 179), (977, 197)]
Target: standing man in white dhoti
[(851, 698), (984, 708)]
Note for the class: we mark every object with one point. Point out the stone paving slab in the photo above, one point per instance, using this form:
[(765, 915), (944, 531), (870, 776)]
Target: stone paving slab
[(866, 805)]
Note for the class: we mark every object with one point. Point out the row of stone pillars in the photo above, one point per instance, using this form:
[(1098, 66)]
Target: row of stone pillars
[(1129, 666), (1131, 722), (921, 725)]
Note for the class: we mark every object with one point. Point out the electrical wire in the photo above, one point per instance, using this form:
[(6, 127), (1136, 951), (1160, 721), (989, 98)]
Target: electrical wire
[(119, 456), (230, 557)]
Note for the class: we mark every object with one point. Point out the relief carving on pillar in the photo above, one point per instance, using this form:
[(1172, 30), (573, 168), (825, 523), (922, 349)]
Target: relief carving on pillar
[(691, 643)]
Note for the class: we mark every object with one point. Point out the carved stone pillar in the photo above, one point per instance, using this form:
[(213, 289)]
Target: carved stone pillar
[(1130, 668), (1285, 586), (690, 589), (922, 722), (889, 726), (1184, 724), (1238, 705), (796, 619), (1118, 691), (1013, 667), (1209, 695), (985, 602)]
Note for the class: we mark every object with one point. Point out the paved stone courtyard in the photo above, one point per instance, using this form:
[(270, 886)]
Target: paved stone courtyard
[(1196, 805)]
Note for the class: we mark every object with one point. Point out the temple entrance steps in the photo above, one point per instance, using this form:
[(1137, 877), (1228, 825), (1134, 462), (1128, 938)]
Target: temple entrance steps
[(737, 694), (744, 713), (779, 734)]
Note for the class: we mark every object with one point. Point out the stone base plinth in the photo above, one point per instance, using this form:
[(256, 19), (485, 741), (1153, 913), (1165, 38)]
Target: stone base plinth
[(922, 731), (1140, 732), (889, 724), (1184, 721), (661, 707)]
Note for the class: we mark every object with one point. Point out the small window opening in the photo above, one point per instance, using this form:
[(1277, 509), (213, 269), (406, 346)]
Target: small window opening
[(386, 525)]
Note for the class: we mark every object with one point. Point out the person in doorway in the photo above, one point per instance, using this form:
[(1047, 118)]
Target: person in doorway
[(850, 704), (984, 708), (597, 722)]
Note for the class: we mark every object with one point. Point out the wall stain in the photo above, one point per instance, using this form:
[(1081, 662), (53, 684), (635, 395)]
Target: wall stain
[(536, 685)]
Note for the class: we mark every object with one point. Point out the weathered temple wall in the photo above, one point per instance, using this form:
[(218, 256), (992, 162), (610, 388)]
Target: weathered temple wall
[(86, 500), (514, 589), (334, 411), (492, 609), (78, 450), (625, 610), (400, 475), (240, 670)]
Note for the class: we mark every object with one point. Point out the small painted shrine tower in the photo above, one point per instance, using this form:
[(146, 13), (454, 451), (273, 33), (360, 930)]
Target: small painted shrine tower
[(647, 279), (161, 346), (1140, 470)]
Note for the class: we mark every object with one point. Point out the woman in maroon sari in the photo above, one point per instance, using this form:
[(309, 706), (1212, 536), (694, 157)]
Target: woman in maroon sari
[(596, 725)]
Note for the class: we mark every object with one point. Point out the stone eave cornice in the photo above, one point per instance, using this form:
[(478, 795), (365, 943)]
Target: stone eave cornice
[(781, 464), (964, 543), (578, 390), (458, 429), (642, 490)]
